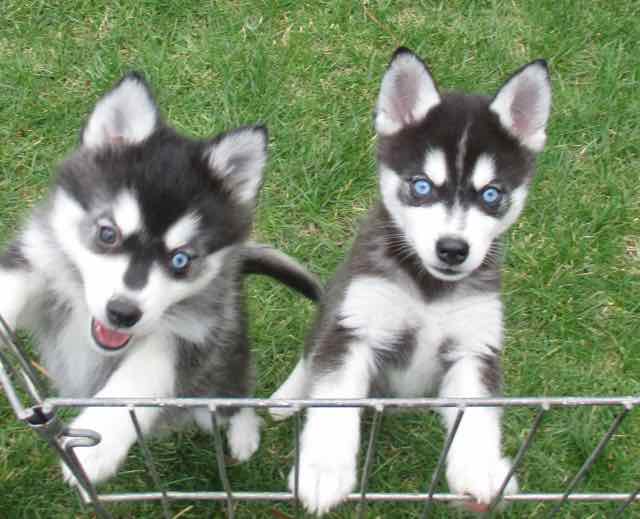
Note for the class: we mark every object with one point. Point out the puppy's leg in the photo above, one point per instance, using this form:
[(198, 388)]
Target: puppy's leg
[(18, 284), (148, 370), (296, 386), (243, 433), (331, 436), (243, 430), (475, 464)]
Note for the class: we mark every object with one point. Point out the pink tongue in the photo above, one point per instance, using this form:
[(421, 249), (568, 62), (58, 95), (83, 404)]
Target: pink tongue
[(107, 337)]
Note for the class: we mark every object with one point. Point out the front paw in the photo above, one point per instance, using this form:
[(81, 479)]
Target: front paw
[(324, 481), (243, 434), (99, 463), (481, 478)]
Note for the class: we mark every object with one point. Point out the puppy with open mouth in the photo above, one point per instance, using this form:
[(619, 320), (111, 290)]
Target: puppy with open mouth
[(130, 273)]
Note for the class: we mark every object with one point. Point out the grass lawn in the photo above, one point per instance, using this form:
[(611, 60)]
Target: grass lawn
[(311, 72)]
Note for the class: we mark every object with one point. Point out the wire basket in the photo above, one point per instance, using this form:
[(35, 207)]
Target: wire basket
[(40, 414)]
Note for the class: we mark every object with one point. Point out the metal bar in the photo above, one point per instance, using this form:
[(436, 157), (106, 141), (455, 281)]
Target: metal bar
[(148, 459), (14, 400), (222, 469), (437, 473), (296, 466), (355, 497), (64, 442), (520, 455), (29, 378), (592, 458), (368, 462), (388, 403), (14, 367), (633, 497)]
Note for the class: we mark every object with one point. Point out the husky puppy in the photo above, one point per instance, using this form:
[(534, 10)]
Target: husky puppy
[(130, 274), (415, 309)]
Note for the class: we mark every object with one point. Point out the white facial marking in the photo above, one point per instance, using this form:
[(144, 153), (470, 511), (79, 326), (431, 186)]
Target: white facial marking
[(126, 212), (102, 274), (103, 278), (424, 226), (517, 199), (162, 291), (126, 115), (182, 232), (484, 172), (435, 166), (461, 152)]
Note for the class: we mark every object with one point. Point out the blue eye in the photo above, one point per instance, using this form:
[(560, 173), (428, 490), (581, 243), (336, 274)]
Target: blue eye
[(491, 196), (108, 235), (179, 262), (421, 187)]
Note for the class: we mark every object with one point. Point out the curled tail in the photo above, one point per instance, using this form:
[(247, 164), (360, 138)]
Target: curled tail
[(263, 259)]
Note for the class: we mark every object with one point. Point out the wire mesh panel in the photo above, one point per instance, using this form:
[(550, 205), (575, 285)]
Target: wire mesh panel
[(623, 407), (41, 414)]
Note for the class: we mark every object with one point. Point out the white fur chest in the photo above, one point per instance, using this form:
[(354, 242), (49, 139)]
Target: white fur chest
[(381, 311), (69, 356)]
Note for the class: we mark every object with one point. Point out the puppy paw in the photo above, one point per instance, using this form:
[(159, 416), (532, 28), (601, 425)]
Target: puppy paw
[(323, 482), (281, 413), (243, 434), (294, 387), (480, 478), (100, 463)]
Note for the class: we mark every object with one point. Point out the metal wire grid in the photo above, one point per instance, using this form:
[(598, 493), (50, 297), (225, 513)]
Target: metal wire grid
[(40, 415)]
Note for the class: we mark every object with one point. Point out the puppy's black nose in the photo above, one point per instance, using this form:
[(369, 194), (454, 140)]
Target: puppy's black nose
[(452, 251), (123, 313)]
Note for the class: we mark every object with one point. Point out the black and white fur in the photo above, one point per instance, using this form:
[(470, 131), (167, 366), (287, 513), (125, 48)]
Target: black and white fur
[(132, 202), (415, 309)]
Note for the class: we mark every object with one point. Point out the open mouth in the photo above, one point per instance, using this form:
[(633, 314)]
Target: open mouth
[(106, 338)]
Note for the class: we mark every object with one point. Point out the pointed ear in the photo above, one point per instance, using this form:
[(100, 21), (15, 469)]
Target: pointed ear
[(407, 93), (523, 104), (126, 115), (238, 159)]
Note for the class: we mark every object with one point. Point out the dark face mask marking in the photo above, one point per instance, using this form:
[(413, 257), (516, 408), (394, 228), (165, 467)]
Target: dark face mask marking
[(137, 274)]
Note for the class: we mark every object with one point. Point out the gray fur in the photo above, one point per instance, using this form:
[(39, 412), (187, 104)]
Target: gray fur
[(395, 320), (13, 258), (491, 371), (379, 250), (170, 179), (464, 128)]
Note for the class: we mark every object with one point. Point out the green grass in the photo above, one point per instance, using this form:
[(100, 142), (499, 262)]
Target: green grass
[(311, 71)]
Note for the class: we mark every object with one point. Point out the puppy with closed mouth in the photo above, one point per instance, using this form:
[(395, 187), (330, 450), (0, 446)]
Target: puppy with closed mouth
[(130, 273), (415, 310)]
